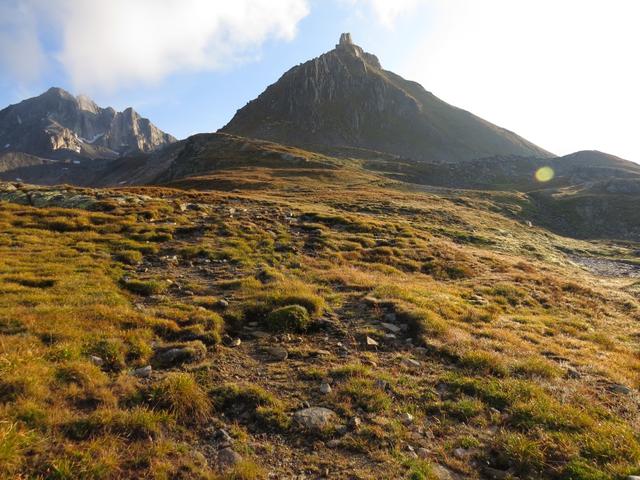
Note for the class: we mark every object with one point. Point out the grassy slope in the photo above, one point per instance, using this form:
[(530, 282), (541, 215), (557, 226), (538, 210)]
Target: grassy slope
[(526, 364)]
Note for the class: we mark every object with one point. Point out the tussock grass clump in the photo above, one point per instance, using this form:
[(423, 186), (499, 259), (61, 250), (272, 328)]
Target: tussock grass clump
[(263, 407), (292, 318), (110, 350), (31, 281), (180, 395), (144, 287), (130, 257)]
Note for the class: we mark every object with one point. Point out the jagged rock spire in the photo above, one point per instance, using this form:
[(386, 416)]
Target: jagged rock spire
[(345, 39)]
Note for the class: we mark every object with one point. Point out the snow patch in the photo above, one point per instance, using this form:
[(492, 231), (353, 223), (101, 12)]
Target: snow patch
[(76, 162), (7, 145)]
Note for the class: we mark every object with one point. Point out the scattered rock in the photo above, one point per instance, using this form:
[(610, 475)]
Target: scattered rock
[(573, 373), (177, 355), (423, 453), (370, 342), (619, 388), (228, 458), (222, 438), (316, 419), (442, 473), (391, 327), (355, 423), (406, 418), (390, 317), (277, 354), (222, 303), (461, 453), (143, 372), (97, 361), (410, 362), (495, 474), (325, 388)]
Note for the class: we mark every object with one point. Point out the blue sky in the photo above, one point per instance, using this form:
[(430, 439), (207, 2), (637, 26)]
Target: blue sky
[(562, 74)]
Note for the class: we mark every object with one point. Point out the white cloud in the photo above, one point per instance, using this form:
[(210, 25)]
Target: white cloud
[(20, 51), (107, 44), (388, 11)]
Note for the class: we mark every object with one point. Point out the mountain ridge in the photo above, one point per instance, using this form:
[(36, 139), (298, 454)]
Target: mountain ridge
[(345, 98), (57, 125)]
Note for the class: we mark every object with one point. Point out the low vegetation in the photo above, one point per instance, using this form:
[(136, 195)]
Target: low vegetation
[(443, 336)]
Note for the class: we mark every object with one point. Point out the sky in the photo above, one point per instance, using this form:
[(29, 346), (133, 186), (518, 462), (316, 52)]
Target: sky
[(562, 73)]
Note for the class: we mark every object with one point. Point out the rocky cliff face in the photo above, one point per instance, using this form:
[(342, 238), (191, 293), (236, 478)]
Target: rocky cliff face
[(345, 99), (58, 125)]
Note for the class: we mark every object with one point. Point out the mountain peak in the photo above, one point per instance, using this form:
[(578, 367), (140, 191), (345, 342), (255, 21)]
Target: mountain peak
[(345, 39), (344, 98), (59, 125)]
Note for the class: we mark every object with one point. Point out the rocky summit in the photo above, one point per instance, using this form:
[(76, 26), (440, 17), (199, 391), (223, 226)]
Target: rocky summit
[(57, 125), (344, 100)]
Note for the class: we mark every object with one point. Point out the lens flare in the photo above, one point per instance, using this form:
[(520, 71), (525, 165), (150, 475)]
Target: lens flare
[(545, 174)]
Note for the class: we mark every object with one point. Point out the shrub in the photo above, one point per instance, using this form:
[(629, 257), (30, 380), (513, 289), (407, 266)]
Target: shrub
[(292, 318)]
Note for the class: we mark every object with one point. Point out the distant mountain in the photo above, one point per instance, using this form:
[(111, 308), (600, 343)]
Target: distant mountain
[(516, 173), (344, 98), (57, 125)]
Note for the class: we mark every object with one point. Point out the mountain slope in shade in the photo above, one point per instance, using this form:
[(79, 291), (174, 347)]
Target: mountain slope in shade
[(344, 98), (59, 125)]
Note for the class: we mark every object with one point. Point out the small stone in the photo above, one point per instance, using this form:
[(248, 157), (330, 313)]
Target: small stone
[(222, 303), (143, 372), (406, 418), (335, 443), (619, 388), (235, 342), (228, 458), (370, 342), (410, 362), (390, 317), (391, 327), (573, 373), (423, 453), (316, 418), (381, 384), (97, 360), (277, 354), (222, 438), (461, 453), (441, 472), (325, 388), (355, 423), (633, 477)]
